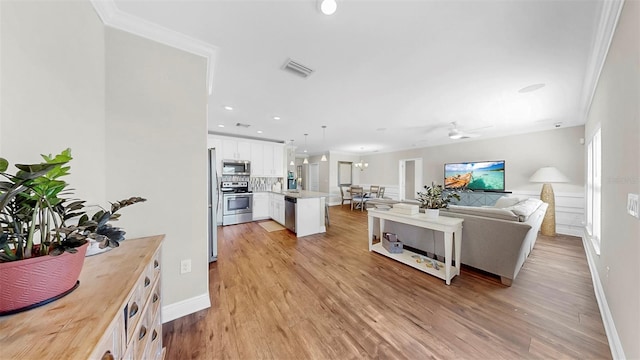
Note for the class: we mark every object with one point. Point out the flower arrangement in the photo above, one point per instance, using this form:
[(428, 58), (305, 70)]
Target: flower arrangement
[(434, 197)]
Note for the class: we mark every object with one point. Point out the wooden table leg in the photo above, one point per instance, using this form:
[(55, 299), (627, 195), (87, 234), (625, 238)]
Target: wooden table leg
[(448, 242), (457, 238)]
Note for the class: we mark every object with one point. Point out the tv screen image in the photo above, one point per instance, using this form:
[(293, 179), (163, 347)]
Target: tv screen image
[(478, 175)]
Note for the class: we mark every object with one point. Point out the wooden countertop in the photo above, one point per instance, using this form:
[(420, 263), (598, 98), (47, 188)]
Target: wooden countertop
[(71, 327)]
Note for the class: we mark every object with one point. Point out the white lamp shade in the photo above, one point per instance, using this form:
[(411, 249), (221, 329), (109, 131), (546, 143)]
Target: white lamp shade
[(323, 158), (548, 174), (305, 161)]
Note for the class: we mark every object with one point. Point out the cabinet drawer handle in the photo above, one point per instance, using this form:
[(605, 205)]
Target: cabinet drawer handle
[(147, 281), (143, 332), (154, 335), (155, 298), (107, 356), (156, 264), (134, 310)]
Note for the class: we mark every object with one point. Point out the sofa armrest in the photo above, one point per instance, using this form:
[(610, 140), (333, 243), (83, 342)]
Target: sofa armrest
[(493, 245)]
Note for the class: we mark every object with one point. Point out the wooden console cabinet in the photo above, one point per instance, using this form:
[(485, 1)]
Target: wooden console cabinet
[(115, 313)]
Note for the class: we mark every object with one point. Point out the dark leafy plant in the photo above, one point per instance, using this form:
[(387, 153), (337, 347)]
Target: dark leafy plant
[(35, 209), (434, 197)]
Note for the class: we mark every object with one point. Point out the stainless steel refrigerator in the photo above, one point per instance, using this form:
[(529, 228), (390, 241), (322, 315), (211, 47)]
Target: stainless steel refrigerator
[(213, 206)]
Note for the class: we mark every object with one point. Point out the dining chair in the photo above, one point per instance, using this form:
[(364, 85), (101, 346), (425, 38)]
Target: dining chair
[(347, 197), (373, 190), (357, 196), (381, 192)]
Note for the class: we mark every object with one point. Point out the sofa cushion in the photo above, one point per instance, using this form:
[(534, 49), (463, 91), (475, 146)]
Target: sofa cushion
[(490, 212), (506, 201), (525, 208)]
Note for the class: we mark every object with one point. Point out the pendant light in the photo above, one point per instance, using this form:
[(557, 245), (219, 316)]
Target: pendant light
[(324, 157), (291, 163), (305, 161)]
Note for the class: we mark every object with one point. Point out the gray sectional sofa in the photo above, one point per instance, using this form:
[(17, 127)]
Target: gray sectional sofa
[(496, 239), (499, 239)]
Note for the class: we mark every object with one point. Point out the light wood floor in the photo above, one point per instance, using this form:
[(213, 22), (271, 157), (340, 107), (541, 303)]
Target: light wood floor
[(327, 297)]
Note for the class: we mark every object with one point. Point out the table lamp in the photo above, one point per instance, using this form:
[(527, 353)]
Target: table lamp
[(548, 175)]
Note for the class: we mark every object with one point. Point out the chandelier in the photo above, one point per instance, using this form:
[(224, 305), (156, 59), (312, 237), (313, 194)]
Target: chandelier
[(361, 165)]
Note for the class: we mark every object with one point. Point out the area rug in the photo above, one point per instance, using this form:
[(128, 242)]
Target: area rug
[(271, 226)]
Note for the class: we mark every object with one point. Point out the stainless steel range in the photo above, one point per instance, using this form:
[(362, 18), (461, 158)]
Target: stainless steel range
[(237, 202)]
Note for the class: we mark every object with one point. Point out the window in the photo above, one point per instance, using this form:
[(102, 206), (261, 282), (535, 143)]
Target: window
[(594, 188)]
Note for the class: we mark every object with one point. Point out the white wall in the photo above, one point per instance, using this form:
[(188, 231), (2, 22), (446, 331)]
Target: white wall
[(134, 113), (157, 136), (524, 154), (52, 79), (616, 107)]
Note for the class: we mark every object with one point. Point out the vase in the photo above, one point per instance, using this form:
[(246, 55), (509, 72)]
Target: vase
[(37, 281), (432, 213)]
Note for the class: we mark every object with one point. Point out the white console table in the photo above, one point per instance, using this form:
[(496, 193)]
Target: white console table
[(451, 227)]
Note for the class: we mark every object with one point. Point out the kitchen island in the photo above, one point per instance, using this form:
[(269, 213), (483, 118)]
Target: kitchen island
[(309, 211)]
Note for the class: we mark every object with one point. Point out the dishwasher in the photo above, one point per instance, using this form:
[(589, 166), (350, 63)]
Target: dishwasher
[(290, 213)]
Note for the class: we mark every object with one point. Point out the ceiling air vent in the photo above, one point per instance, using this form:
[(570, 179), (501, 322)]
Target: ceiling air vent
[(242, 125), (297, 68)]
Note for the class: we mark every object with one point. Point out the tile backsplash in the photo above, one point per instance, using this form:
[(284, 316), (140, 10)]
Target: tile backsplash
[(264, 183)]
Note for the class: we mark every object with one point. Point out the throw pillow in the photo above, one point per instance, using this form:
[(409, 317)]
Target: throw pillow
[(526, 207)]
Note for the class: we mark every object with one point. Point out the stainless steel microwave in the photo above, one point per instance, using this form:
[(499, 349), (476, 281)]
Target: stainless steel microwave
[(236, 167)]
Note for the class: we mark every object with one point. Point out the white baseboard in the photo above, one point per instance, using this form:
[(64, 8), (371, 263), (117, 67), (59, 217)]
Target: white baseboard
[(185, 307), (617, 352)]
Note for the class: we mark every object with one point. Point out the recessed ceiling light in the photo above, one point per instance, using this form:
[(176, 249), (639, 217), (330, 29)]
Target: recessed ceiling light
[(227, 107), (531, 88), (328, 7), (276, 118), (220, 125), (259, 131)]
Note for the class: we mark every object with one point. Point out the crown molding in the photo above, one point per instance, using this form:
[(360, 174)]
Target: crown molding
[(113, 17), (609, 16)]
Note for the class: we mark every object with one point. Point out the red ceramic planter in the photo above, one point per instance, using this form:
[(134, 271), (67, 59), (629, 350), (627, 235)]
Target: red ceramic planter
[(36, 281)]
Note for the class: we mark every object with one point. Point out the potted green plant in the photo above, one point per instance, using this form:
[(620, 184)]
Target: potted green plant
[(41, 252), (434, 198)]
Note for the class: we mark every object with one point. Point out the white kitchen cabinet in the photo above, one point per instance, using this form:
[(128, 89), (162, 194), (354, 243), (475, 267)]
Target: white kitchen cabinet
[(236, 149), (261, 206), (273, 160), (267, 156), (257, 159), (276, 207), (278, 161)]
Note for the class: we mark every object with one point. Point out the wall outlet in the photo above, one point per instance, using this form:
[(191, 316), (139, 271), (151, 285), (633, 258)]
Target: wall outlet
[(185, 266), (632, 205)]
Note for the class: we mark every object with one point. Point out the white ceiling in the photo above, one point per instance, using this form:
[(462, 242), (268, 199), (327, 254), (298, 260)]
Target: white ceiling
[(390, 74)]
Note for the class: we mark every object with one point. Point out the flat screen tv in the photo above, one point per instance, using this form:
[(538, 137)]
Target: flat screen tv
[(477, 175)]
